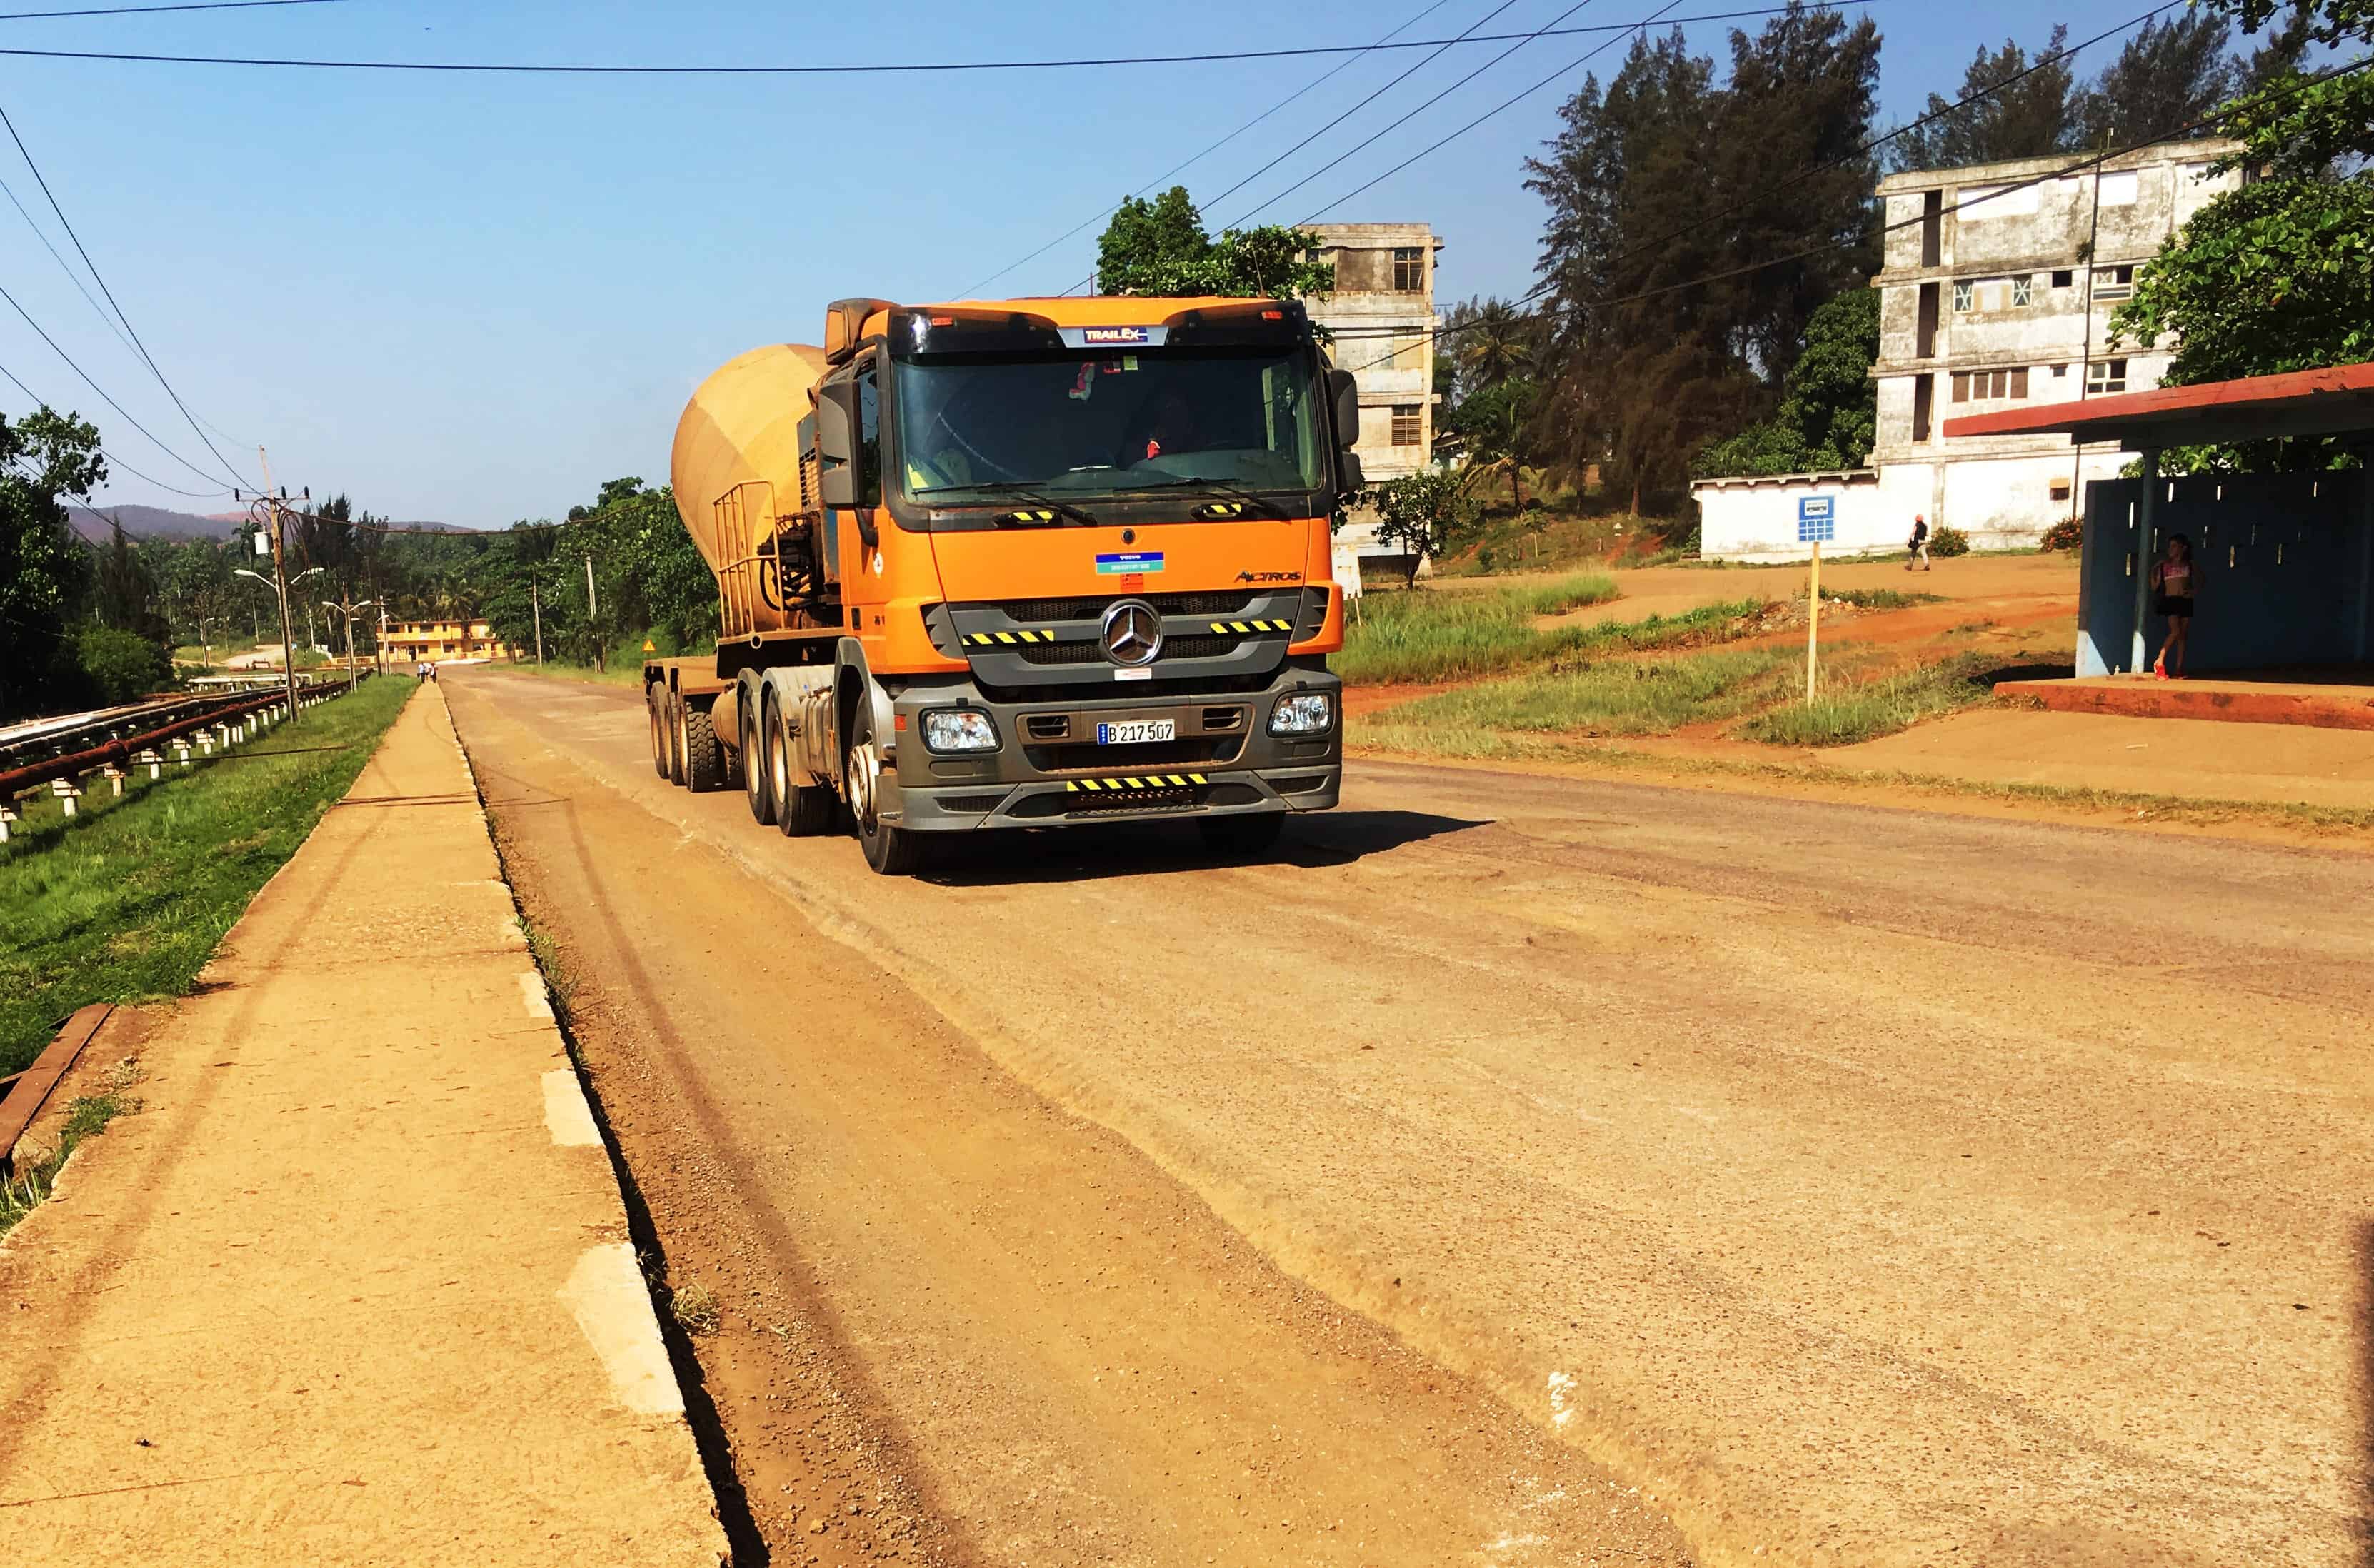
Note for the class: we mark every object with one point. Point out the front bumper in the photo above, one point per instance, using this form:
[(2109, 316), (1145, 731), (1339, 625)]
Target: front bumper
[(1048, 770)]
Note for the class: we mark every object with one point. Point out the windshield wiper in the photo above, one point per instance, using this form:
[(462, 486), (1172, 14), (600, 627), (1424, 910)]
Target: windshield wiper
[(1214, 486), (1020, 491)]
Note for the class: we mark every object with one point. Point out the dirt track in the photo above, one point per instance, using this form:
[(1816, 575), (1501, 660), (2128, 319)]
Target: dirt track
[(1513, 1163)]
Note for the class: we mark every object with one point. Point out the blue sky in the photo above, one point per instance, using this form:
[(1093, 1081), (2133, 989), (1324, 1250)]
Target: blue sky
[(473, 299)]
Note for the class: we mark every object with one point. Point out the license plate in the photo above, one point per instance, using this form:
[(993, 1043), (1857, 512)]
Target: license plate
[(1133, 731)]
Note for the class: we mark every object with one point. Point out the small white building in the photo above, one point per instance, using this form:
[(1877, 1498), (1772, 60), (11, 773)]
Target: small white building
[(1997, 289), (1756, 519), (1383, 315)]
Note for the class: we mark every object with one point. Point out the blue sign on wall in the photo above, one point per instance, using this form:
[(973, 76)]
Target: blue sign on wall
[(1817, 518)]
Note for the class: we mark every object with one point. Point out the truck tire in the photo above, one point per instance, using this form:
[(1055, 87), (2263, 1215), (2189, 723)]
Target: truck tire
[(655, 704), (1241, 837), (758, 790), (704, 759), (802, 811), (676, 737), (890, 850)]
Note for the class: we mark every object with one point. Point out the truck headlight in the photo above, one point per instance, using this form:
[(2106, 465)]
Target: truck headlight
[(1304, 713), (958, 730)]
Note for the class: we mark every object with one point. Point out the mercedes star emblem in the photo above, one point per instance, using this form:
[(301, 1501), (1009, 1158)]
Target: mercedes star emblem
[(1132, 633)]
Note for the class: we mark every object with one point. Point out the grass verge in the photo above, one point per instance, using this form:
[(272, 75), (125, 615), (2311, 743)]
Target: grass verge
[(33, 1180), (1616, 697), (2347, 824), (1841, 716), (1423, 635), (125, 902), (1880, 598)]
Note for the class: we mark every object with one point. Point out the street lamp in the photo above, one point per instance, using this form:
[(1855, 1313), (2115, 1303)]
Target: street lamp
[(348, 612), (280, 592)]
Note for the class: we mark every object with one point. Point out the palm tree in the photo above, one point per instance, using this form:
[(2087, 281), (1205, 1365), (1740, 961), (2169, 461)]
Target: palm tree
[(1498, 343)]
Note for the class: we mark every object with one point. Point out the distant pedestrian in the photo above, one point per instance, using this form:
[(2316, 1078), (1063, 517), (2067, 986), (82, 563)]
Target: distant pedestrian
[(1918, 544), (2174, 580)]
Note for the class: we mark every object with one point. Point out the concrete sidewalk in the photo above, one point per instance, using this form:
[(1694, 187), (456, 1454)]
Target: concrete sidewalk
[(2196, 758), (353, 1286)]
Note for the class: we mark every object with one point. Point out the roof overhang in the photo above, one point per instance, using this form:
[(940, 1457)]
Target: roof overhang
[(2335, 401)]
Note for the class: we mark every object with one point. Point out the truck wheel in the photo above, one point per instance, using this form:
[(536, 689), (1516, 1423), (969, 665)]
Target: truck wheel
[(656, 706), (676, 737), (802, 811), (704, 759), (758, 790), (892, 851), (1241, 837)]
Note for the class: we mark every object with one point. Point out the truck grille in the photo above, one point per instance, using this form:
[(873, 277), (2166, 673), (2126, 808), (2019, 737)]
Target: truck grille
[(1194, 750), (1094, 653), (1031, 611)]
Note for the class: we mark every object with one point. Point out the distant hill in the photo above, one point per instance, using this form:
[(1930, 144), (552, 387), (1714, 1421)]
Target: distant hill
[(156, 522)]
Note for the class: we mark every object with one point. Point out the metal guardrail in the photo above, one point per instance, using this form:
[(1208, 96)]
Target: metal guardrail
[(113, 741)]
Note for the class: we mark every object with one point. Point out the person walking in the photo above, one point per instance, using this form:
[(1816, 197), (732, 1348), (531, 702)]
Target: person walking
[(2174, 580), (1918, 546)]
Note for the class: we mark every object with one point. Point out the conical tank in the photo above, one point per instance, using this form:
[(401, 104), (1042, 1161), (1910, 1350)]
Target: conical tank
[(741, 426)]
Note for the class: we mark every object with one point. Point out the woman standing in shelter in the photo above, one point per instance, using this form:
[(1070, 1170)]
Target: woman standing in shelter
[(2174, 579)]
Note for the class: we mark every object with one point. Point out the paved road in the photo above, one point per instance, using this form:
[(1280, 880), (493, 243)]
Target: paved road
[(1862, 1186)]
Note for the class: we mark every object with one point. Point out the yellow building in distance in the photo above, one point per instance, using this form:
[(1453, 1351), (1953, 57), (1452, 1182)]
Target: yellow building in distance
[(412, 641)]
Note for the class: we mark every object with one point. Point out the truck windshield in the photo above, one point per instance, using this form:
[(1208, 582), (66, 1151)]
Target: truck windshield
[(1090, 424)]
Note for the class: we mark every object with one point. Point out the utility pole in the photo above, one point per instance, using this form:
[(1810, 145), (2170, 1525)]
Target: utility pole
[(280, 583), (349, 611), (536, 598), (594, 618)]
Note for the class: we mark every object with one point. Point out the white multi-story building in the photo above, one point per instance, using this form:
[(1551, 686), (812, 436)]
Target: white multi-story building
[(1997, 285), (1383, 315), (1997, 290)]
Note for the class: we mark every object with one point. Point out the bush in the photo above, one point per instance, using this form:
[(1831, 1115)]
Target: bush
[(1949, 542), (2062, 535), (119, 666)]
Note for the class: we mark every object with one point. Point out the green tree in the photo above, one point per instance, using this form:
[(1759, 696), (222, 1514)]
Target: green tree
[(1668, 328), (2032, 116), (116, 666), (2167, 76), (2277, 275), (1161, 248), (1420, 514), (1497, 423), (1496, 340), (45, 458), (1828, 415)]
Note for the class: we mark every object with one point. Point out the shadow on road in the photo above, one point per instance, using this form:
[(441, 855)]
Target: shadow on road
[(1144, 849)]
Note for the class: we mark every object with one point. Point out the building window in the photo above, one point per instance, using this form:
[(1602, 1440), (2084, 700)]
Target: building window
[(2114, 282), (1925, 327), (1924, 390), (2120, 189), (1409, 269), (1407, 424), (1966, 297), (2060, 372), (2105, 376), (1989, 385), (2023, 290), (2064, 277)]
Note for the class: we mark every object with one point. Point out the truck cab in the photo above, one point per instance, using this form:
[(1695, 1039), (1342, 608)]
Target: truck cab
[(1078, 558)]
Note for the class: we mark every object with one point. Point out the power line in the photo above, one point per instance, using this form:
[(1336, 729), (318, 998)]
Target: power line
[(2204, 122), (1505, 103), (897, 68), (114, 460), (94, 386), (149, 10), (1366, 100), (73, 276), (1332, 71), (1446, 92), (146, 357), (1868, 148)]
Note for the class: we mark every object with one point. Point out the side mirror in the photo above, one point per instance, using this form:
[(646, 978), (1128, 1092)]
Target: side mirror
[(837, 443), (1349, 478), (1344, 392)]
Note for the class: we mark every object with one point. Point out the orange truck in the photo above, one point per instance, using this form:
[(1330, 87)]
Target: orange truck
[(1024, 564)]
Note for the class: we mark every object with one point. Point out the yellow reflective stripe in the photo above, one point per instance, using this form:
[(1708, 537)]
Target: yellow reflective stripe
[(1195, 779), (1006, 637), (1071, 786), (1239, 626), (1218, 628), (1176, 780)]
